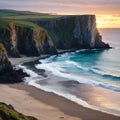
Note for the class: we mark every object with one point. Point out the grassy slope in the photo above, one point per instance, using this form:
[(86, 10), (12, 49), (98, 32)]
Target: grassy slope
[(22, 19), (24, 15), (7, 113), (5, 22), (7, 12)]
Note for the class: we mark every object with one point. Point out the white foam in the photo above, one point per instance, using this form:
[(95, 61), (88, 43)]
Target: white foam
[(76, 64), (82, 50), (46, 60), (105, 73), (32, 74), (32, 80), (28, 71), (54, 68), (65, 95), (70, 97)]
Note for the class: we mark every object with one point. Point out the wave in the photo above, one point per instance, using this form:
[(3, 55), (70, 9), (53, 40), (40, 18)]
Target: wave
[(84, 50), (33, 75), (57, 70), (76, 64), (47, 60), (34, 78), (94, 70), (103, 74), (71, 97)]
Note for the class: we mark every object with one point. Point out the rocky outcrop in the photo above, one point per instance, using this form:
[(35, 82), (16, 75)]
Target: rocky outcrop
[(26, 40), (8, 74), (73, 32), (43, 36), (4, 62)]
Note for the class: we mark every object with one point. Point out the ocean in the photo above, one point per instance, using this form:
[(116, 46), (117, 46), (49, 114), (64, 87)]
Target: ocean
[(90, 78)]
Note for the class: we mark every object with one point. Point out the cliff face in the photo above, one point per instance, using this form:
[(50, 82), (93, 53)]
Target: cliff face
[(4, 62), (7, 73), (26, 40), (45, 35), (73, 32)]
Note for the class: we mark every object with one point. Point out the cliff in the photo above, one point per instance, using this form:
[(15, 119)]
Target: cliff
[(33, 37), (7, 73), (4, 62), (26, 38), (73, 32)]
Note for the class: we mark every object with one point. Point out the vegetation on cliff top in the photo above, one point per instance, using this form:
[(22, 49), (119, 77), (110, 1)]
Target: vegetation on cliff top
[(4, 23), (2, 49), (7, 112), (8, 12)]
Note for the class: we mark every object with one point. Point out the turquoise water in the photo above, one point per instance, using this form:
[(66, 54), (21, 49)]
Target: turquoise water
[(98, 69), (94, 67)]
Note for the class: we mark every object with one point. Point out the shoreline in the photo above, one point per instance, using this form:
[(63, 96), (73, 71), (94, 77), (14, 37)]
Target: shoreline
[(25, 59), (66, 105), (17, 61)]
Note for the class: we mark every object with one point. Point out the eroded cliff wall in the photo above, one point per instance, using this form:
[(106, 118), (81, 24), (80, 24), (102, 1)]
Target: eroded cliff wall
[(26, 40), (73, 32), (4, 62), (43, 36)]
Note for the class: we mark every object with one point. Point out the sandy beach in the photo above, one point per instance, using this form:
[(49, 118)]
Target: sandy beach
[(16, 61), (46, 106)]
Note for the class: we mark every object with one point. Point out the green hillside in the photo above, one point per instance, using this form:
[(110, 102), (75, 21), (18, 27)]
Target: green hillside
[(7, 12), (7, 112)]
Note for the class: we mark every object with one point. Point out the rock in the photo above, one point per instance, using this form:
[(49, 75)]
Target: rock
[(13, 76), (7, 73), (70, 32), (5, 65), (10, 106), (46, 36), (27, 40)]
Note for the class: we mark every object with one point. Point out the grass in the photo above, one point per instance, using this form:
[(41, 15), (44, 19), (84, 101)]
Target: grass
[(32, 17), (8, 14), (37, 17), (2, 49), (4, 23), (7, 113)]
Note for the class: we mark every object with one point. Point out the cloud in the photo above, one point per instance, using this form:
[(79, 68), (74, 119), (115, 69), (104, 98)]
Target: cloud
[(107, 11), (65, 6)]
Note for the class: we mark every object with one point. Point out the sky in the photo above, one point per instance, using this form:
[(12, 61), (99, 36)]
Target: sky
[(107, 11)]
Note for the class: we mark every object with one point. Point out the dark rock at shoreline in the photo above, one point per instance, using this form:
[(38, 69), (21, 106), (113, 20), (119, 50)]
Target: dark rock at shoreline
[(12, 76), (7, 73), (31, 66)]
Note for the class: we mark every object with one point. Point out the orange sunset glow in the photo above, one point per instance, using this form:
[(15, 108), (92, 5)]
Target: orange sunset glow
[(108, 21), (107, 11)]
